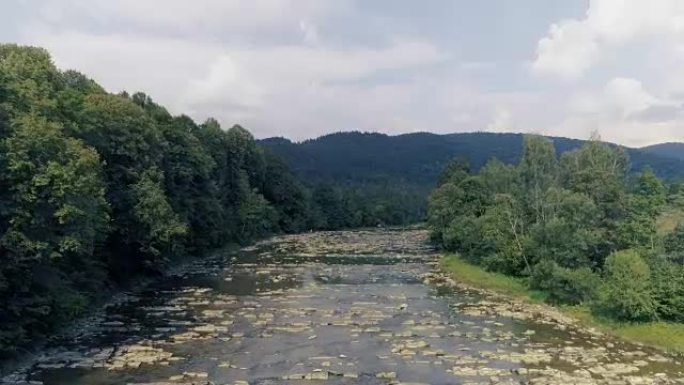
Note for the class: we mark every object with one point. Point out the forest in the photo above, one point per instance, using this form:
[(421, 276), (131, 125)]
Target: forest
[(577, 227), (395, 174), (98, 188)]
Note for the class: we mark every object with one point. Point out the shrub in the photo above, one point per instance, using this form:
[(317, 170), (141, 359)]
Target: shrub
[(626, 293), (668, 288), (674, 243), (563, 285), (543, 275)]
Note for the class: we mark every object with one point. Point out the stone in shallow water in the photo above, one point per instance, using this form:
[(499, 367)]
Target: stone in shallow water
[(487, 343), (386, 375)]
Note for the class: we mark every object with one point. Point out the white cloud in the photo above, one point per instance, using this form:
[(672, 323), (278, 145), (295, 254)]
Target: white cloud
[(629, 132), (574, 46), (159, 67), (209, 19), (309, 32), (502, 120), (178, 55), (593, 54), (623, 111), (282, 80), (301, 68), (568, 51), (628, 96)]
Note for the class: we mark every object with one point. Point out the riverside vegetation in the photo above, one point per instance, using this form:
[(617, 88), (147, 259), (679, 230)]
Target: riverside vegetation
[(96, 188), (576, 231)]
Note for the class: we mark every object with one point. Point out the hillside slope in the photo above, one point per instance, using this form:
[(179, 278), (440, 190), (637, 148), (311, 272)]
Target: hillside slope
[(417, 159), (672, 150)]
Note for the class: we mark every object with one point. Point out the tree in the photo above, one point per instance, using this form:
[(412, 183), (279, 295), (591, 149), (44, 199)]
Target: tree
[(455, 172), (505, 227), (257, 217), (97, 188), (563, 285), (188, 183), (598, 171), (668, 288), (674, 243), (538, 171), (626, 293), (56, 216), (287, 195), (569, 235), (31, 81), (131, 145), (643, 207), (162, 229)]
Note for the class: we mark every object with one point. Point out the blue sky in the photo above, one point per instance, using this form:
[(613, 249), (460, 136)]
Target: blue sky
[(302, 68)]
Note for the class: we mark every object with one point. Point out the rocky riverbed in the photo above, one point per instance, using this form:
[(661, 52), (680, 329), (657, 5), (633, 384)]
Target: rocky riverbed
[(357, 307)]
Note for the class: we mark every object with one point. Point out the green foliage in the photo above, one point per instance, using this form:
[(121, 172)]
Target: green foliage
[(290, 198), (257, 217), (538, 171), (504, 227), (57, 192), (455, 171), (400, 171), (643, 207), (563, 223), (668, 335), (96, 188), (162, 229), (191, 191), (563, 285), (668, 288), (674, 243), (626, 293), (474, 276)]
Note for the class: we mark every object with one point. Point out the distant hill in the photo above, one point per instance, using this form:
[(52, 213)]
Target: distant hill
[(672, 150), (416, 160)]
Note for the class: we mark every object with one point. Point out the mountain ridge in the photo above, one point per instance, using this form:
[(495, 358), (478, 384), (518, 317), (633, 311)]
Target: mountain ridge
[(669, 149), (418, 158)]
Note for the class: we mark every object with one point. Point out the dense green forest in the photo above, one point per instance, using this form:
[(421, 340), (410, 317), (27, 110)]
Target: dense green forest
[(579, 227), (671, 150), (96, 188), (398, 172)]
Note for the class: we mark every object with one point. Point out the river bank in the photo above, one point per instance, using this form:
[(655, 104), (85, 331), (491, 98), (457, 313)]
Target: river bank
[(662, 335), (113, 295), (338, 308)]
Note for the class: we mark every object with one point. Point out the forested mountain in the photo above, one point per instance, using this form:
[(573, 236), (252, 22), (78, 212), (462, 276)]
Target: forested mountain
[(397, 172), (672, 150), (419, 158)]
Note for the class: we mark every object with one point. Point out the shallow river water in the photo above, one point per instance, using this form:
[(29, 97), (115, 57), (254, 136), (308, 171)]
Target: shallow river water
[(363, 307)]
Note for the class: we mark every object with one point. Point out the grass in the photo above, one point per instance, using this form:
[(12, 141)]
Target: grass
[(663, 335), (475, 276)]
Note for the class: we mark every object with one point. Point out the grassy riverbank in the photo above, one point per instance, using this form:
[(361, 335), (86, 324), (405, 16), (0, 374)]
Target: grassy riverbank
[(668, 336)]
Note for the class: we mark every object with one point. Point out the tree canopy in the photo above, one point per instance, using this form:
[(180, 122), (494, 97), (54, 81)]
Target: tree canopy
[(578, 227), (96, 188)]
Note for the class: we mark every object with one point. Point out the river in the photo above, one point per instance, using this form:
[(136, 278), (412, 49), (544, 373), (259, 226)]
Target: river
[(337, 308)]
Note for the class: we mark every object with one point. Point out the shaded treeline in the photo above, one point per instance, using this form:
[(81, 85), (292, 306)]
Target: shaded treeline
[(579, 227), (96, 188)]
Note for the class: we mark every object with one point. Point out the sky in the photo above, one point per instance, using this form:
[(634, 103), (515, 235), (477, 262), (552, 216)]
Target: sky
[(304, 68)]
